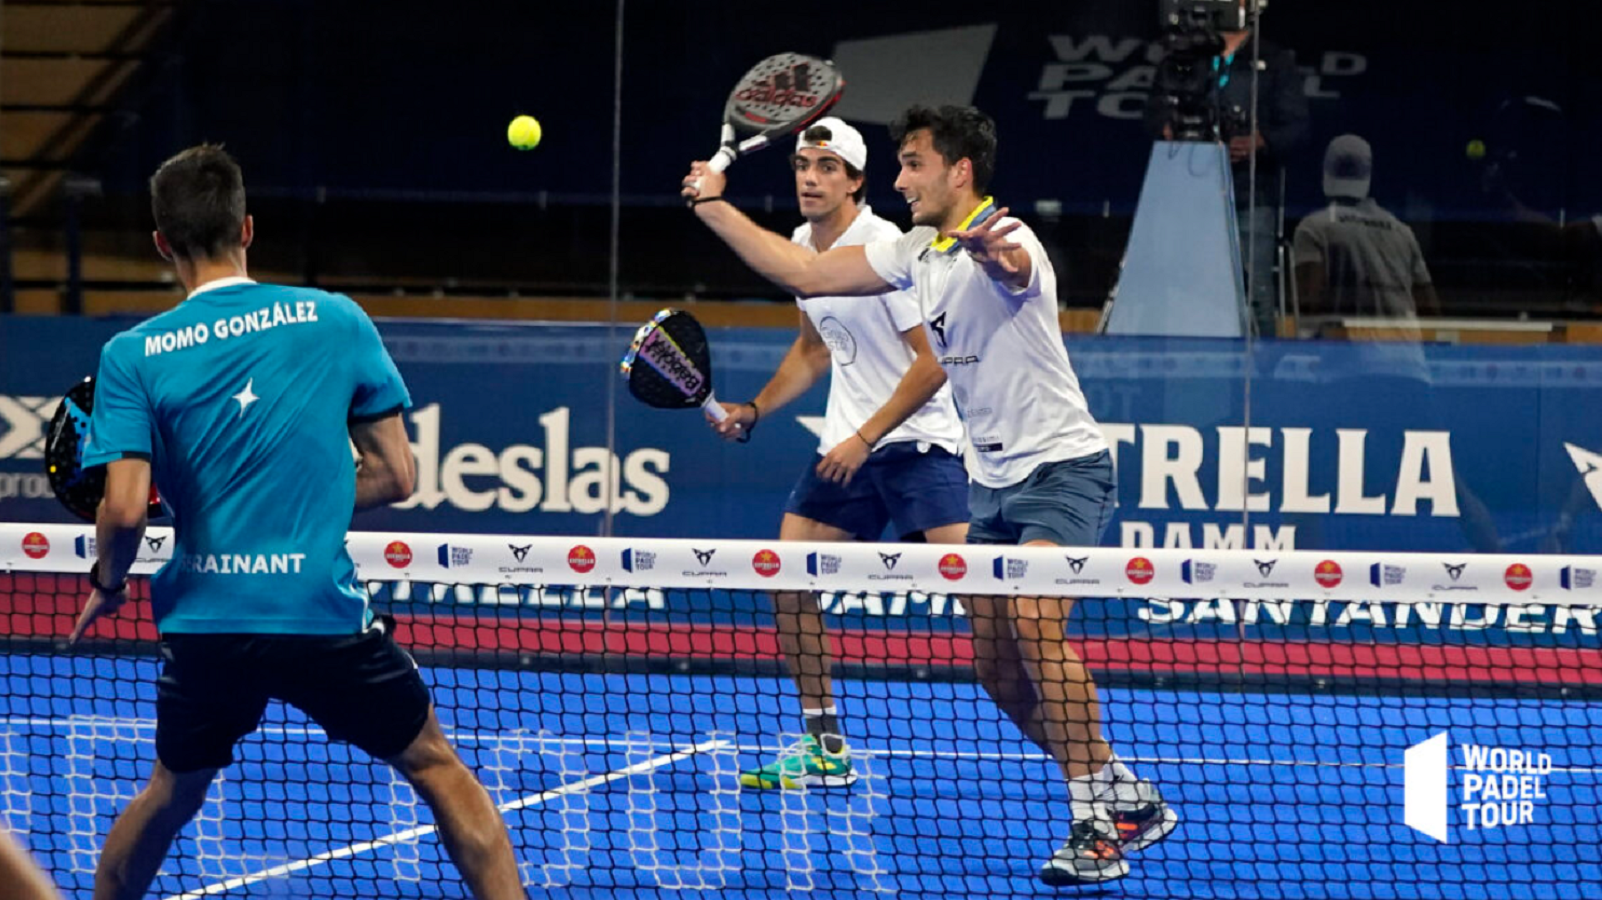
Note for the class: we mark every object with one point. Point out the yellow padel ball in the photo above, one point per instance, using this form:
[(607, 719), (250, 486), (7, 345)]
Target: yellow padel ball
[(524, 133)]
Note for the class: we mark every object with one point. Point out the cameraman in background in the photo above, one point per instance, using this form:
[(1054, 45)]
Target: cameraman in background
[(1209, 97)]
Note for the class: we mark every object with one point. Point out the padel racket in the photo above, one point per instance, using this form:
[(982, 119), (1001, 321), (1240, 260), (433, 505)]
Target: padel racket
[(669, 365), (79, 489), (779, 96)]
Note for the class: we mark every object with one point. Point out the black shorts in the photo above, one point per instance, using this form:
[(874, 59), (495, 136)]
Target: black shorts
[(213, 689)]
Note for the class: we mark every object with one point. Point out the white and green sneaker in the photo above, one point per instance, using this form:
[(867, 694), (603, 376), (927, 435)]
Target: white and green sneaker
[(805, 764)]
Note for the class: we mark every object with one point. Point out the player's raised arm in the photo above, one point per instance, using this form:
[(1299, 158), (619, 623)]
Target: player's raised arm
[(843, 271)]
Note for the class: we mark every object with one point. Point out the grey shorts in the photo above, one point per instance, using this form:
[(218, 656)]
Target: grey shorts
[(1068, 503)]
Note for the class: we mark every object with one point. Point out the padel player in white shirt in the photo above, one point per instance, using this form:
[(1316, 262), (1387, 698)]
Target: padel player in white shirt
[(1041, 469), (889, 452)]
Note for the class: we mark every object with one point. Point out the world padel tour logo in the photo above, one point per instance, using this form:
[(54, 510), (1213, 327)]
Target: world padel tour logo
[(1192, 571), (638, 560), (35, 545), (953, 567), (1006, 569), (398, 554), (1518, 577), (581, 559), (1327, 573), (1574, 578), (451, 556), (1500, 786), (1383, 575), (823, 564), (1140, 570)]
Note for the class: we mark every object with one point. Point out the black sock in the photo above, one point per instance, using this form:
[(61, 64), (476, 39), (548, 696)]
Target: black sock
[(826, 728)]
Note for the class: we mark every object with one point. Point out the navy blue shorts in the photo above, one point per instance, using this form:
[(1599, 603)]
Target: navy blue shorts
[(915, 490), (1068, 503)]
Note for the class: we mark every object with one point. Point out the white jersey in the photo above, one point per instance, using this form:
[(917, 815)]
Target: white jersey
[(1002, 352), (867, 355)]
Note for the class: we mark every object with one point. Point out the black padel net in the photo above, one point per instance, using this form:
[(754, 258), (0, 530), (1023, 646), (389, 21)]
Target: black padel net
[(629, 705)]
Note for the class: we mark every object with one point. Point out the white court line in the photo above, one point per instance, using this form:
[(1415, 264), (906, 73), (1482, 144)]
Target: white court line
[(401, 837), (604, 741)]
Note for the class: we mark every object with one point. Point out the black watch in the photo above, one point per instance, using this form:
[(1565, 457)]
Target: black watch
[(94, 581)]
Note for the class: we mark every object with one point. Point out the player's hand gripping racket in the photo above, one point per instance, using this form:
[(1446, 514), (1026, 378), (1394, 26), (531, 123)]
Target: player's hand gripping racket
[(79, 489), (669, 365), (778, 97)]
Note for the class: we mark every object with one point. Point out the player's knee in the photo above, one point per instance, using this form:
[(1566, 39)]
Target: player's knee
[(428, 759), (177, 797), (993, 675)]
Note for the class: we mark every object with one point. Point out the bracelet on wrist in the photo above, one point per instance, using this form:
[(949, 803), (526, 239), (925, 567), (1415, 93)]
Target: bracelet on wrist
[(756, 412), (700, 200), (94, 582)]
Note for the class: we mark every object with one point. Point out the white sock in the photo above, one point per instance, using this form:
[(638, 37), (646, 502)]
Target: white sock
[(1085, 800), (1117, 785)]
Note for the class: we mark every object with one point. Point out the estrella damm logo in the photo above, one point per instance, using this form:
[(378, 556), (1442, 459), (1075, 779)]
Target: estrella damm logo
[(35, 545), (398, 554), (1328, 573), (581, 559), (1518, 577), (766, 563), (1140, 570)]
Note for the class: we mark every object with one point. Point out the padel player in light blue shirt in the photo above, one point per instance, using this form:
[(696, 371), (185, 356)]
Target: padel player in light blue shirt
[(245, 401)]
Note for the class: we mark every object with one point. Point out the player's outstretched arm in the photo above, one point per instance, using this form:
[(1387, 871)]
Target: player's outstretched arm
[(920, 382), (806, 362), (843, 271), (386, 469), (119, 526), (1007, 263)]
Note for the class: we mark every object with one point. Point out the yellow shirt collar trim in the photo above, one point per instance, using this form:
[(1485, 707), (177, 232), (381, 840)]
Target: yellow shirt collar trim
[(942, 243)]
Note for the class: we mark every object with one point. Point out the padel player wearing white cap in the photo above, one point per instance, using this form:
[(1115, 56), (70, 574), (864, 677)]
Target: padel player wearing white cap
[(1042, 475), (889, 449)]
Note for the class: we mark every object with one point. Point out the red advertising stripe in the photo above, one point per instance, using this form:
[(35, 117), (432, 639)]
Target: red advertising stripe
[(1497, 665)]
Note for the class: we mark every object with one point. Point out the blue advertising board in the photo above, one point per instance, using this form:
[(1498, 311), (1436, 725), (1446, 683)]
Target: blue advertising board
[(1334, 446)]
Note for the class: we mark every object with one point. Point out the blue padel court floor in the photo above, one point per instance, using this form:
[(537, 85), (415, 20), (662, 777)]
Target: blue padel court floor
[(626, 786)]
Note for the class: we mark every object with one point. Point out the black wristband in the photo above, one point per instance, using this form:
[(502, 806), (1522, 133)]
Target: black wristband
[(700, 200), (94, 581), (756, 412)]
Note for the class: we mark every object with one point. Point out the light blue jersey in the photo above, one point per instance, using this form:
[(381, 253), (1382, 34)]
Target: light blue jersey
[(241, 399)]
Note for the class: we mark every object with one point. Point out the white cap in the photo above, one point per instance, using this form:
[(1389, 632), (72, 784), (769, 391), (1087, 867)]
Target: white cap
[(1348, 167), (843, 141)]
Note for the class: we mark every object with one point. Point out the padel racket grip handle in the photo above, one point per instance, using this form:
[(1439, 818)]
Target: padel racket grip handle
[(719, 161), (714, 408)]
